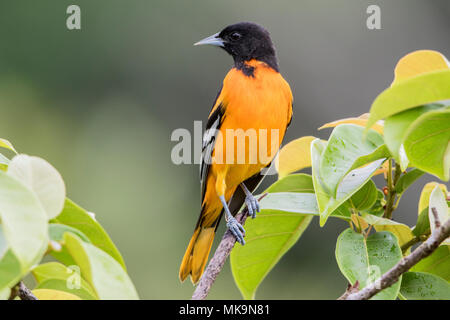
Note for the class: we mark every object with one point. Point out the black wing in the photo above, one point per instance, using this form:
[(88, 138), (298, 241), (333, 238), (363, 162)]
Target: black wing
[(238, 198), (209, 139)]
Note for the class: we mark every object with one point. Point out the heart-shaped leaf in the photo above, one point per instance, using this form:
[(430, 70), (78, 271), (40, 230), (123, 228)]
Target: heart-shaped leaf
[(365, 260)]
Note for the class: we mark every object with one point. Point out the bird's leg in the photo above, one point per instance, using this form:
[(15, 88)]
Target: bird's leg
[(235, 227), (250, 201)]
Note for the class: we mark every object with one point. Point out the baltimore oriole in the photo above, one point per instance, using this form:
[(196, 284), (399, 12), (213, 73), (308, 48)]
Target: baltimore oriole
[(254, 96)]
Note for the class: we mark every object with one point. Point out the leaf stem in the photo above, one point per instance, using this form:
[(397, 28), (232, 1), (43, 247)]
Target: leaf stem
[(391, 182), (413, 241)]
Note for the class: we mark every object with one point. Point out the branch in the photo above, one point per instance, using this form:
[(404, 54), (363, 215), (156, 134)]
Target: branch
[(350, 289), (24, 293), (218, 260), (389, 278)]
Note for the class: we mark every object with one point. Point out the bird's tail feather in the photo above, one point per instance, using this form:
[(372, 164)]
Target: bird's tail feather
[(197, 252)]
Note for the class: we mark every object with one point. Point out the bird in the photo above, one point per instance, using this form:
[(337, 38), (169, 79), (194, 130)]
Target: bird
[(254, 98)]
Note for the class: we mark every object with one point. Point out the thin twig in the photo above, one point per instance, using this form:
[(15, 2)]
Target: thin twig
[(413, 241), (350, 289), (392, 276), (437, 222), (24, 293), (218, 260)]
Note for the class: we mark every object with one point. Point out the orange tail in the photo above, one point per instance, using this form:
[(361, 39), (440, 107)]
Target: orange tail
[(197, 252)]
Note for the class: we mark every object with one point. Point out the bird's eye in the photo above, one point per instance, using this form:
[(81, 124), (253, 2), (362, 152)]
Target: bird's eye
[(235, 36)]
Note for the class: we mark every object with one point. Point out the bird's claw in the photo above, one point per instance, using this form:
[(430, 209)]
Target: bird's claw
[(252, 205), (237, 230)]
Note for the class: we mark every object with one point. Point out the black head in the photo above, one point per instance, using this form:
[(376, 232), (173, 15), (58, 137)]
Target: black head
[(245, 41)]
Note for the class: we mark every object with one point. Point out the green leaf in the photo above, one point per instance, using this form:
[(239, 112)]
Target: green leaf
[(423, 224), (438, 263), (365, 197), (44, 180), (437, 201), (270, 236), (377, 208), (104, 273), (7, 145), (400, 230), (54, 275), (424, 286), (416, 91), (24, 221), (293, 183), (10, 270), (61, 285), (381, 152), (366, 260), (56, 232), (345, 146), (267, 238), (427, 143), (424, 199), (3, 244), (50, 294), (290, 202), (407, 180), (294, 156), (78, 218), (351, 183), (4, 161), (396, 126), (5, 293)]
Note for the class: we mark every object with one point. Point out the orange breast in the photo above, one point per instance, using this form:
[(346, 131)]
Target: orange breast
[(258, 109)]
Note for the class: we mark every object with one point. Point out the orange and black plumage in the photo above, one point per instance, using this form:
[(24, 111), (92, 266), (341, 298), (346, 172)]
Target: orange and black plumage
[(254, 96)]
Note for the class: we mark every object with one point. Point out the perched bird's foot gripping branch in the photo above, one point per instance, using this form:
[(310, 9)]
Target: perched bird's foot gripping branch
[(251, 202), (232, 224)]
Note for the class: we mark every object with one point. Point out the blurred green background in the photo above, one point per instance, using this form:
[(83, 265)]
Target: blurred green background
[(100, 105)]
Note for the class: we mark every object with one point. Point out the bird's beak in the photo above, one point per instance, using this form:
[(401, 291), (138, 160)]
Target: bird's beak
[(213, 40)]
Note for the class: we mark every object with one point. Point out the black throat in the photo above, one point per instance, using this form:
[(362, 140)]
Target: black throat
[(248, 70)]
